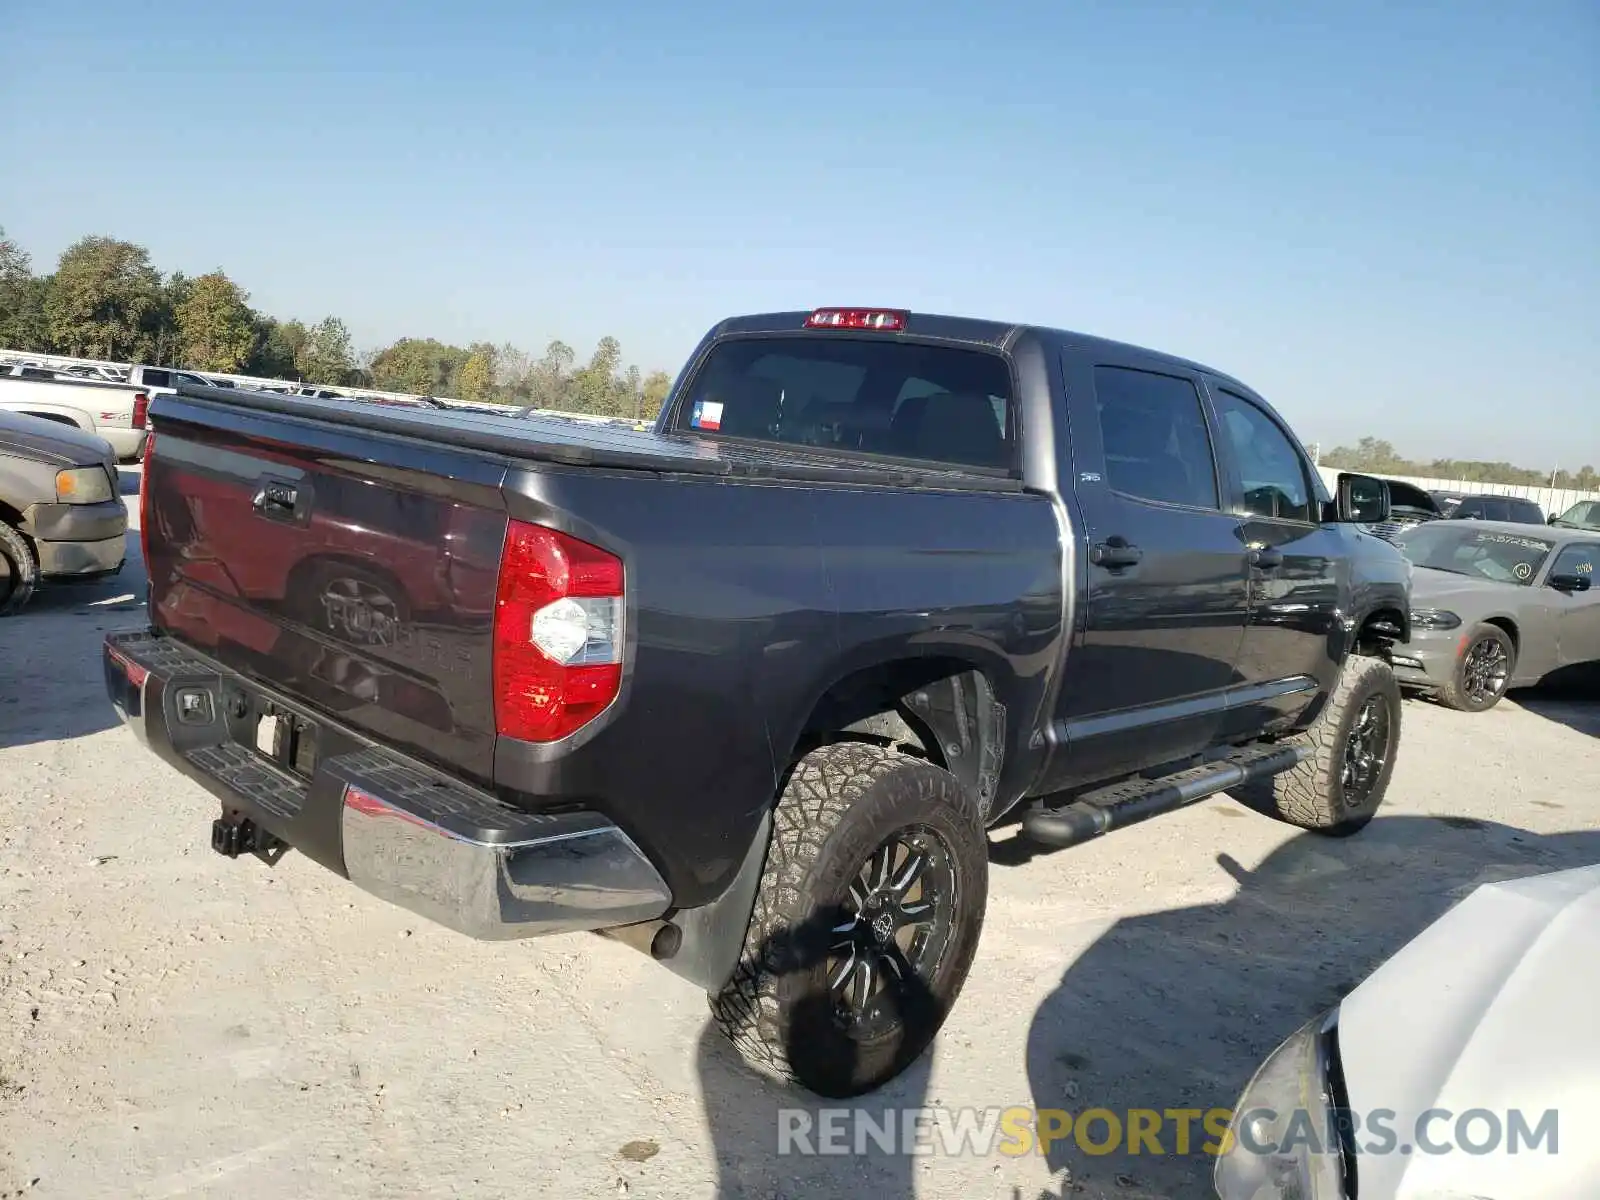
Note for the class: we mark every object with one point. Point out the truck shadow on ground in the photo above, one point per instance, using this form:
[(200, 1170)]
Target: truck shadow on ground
[(50, 655), (1176, 1009), (749, 1115), (1571, 698)]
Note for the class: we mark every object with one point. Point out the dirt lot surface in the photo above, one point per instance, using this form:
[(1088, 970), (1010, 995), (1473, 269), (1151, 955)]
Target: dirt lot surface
[(172, 1024)]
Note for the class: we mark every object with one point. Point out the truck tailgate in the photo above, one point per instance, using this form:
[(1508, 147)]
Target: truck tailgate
[(356, 580)]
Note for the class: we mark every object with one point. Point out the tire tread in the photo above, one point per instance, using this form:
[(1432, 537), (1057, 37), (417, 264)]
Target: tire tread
[(1304, 795), (822, 788), (24, 570)]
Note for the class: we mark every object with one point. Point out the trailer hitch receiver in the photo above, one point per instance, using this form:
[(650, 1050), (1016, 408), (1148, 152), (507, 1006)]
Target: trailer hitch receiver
[(232, 836)]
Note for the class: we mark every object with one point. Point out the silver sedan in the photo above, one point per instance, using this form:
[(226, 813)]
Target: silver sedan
[(1495, 606)]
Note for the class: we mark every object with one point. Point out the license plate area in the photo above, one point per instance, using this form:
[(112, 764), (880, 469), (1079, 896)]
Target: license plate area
[(282, 737)]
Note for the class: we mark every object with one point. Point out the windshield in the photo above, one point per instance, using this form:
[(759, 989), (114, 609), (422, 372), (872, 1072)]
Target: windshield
[(904, 399), (1479, 553), (1585, 512)]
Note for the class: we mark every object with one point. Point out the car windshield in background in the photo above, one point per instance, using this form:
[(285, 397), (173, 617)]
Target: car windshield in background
[(1479, 553), (902, 399), (1585, 514)]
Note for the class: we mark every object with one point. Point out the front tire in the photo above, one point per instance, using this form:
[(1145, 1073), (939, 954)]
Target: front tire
[(1482, 672), (19, 570), (870, 908), (1337, 789)]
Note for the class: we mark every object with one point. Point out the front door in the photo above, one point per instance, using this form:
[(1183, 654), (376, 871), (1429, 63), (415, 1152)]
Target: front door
[(1146, 679), (1578, 612), (1294, 637)]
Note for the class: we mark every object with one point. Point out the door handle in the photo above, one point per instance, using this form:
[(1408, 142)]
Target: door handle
[(1266, 558), (1114, 553)]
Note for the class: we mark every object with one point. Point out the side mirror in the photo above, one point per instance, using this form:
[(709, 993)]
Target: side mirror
[(1569, 583), (1362, 499), (1551, 519)]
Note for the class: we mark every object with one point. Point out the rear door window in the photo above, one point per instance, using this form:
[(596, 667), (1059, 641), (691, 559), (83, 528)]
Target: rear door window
[(873, 396), (1153, 432)]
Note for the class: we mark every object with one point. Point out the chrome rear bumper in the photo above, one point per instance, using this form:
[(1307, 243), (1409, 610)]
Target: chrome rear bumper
[(407, 834), (587, 877)]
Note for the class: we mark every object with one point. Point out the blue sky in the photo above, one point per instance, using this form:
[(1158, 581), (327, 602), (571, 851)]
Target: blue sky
[(1383, 216)]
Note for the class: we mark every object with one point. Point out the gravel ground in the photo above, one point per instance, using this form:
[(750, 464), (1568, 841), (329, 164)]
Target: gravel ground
[(172, 1024)]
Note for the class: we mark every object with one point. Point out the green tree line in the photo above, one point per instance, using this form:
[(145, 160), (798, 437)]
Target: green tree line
[(1376, 456), (107, 300)]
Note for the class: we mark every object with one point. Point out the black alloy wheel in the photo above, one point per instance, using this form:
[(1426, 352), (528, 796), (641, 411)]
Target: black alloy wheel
[(1366, 750), (897, 919)]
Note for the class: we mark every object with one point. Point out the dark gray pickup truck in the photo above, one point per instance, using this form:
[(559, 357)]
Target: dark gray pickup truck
[(748, 690)]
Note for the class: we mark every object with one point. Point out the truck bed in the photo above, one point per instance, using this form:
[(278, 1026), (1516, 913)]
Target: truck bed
[(554, 440)]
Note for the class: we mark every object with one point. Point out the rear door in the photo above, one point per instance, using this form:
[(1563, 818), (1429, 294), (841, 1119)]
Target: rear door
[(1293, 639), (1147, 676)]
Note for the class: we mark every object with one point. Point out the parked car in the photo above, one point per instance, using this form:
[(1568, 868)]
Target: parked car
[(114, 411), (158, 379), (1585, 514), (1409, 505), (1496, 605), (61, 514), (746, 690), (1414, 1084), (1515, 509), (92, 371)]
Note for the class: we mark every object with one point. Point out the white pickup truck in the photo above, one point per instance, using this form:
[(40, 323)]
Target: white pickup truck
[(113, 411)]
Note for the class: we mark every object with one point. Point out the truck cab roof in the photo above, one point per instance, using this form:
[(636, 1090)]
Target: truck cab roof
[(974, 331)]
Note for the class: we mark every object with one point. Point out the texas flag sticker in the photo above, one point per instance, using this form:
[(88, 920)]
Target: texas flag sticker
[(707, 414)]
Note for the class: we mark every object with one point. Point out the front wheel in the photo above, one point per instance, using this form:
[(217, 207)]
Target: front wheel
[(1337, 788), (870, 907), (19, 570), (1482, 672)]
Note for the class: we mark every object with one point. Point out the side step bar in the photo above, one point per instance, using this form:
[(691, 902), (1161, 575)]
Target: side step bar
[(1091, 814)]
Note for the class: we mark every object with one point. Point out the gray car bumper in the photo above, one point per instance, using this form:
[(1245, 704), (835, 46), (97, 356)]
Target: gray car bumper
[(77, 539), (1429, 659), (433, 845)]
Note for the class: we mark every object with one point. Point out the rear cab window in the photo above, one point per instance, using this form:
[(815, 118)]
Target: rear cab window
[(1527, 512), (840, 392)]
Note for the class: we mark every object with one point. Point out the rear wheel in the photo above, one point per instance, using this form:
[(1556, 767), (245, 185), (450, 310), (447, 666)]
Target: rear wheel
[(1337, 789), (869, 912), (1482, 672), (19, 570)]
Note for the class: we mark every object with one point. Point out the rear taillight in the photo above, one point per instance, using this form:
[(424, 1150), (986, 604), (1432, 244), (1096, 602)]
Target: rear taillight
[(558, 633), (141, 408)]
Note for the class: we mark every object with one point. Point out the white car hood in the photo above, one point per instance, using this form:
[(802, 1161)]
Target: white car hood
[(1495, 1006)]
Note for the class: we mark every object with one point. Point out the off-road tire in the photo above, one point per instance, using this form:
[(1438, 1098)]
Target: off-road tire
[(19, 572), (1455, 695), (1311, 796), (840, 803)]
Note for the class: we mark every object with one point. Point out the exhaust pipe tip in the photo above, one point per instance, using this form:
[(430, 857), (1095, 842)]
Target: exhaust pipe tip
[(660, 940)]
